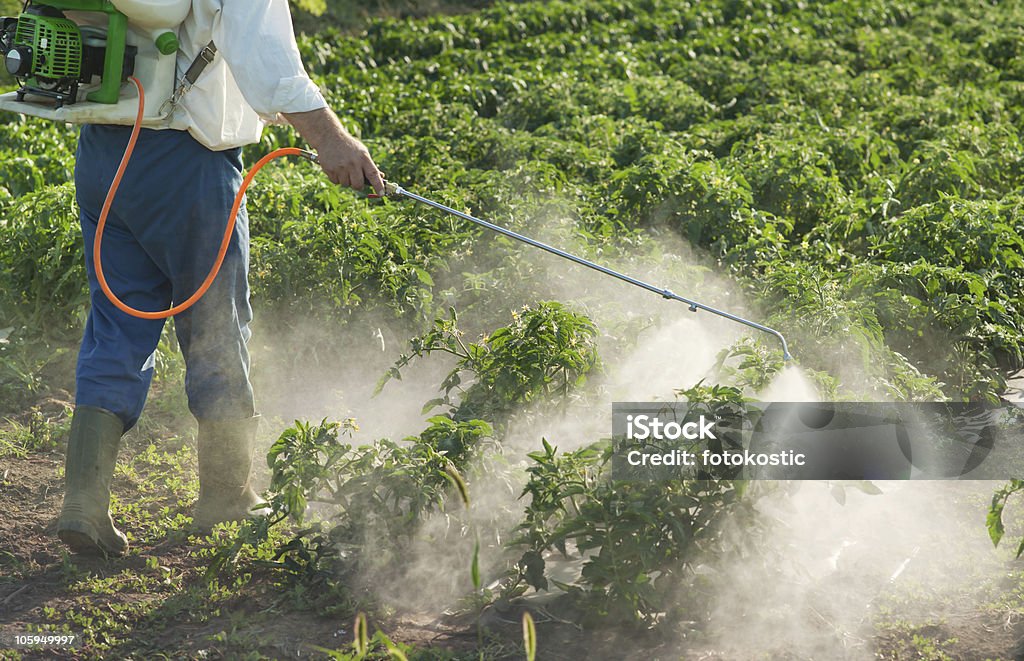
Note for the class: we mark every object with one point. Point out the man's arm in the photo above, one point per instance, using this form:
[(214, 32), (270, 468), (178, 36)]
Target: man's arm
[(344, 159), (258, 44)]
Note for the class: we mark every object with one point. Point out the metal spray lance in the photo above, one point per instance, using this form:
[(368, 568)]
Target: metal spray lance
[(394, 190)]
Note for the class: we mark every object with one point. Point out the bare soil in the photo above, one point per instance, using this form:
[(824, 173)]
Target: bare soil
[(40, 583)]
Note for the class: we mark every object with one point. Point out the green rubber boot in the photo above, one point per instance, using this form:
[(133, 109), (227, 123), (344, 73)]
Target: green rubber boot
[(85, 524), (226, 450)]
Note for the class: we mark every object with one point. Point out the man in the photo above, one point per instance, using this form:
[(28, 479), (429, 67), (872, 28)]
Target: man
[(162, 235)]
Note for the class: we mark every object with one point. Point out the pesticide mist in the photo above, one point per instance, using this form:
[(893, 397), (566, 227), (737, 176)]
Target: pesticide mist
[(827, 559)]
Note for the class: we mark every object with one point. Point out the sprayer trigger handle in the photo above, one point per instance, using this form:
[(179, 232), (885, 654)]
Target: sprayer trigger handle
[(390, 190)]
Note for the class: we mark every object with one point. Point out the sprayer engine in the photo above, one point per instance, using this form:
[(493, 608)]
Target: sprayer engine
[(51, 55)]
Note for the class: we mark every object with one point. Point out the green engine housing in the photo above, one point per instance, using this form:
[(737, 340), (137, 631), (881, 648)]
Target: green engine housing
[(56, 45)]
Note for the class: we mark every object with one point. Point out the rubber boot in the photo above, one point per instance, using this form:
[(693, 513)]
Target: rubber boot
[(85, 524), (226, 450)]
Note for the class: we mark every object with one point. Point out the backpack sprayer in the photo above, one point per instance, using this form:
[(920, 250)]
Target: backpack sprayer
[(71, 66), (58, 60)]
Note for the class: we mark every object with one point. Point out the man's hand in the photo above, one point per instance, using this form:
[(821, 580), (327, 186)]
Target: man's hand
[(344, 159)]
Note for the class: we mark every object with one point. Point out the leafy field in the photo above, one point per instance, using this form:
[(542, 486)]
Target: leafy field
[(849, 173)]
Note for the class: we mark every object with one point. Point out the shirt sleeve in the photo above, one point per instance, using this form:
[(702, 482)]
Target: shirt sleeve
[(257, 41)]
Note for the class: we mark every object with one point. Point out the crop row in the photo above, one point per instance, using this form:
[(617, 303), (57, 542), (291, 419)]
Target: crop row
[(868, 148)]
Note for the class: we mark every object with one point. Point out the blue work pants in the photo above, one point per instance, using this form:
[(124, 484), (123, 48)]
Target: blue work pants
[(161, 238)]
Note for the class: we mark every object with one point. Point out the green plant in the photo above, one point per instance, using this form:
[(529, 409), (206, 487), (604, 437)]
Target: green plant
[(994, 519), (639, 539), (40, 434), (365, 648), (43, 262), (379, 493), (542, 356)]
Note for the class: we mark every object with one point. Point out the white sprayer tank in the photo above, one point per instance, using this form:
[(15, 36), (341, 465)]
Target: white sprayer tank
[(154, 14)]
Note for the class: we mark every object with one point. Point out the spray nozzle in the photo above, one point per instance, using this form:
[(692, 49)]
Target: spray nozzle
[(310, 156)]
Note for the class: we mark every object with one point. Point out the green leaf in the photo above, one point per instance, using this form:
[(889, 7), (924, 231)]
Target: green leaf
[(868, 487), (994, 522), (455, 477), (529, 637), (475, 567), (432, 404), (361, 641), (423, 276)]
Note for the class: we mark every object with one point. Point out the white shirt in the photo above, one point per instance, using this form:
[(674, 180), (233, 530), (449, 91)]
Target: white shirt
[(256, 74)]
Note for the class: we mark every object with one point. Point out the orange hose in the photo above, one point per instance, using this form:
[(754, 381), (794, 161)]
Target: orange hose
[(225, 242)]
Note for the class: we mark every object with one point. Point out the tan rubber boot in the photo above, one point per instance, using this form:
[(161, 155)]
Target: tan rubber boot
[(85, 524), (226, 450)]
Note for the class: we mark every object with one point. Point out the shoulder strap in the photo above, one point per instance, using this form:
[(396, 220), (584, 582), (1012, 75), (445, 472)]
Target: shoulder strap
[(206, 55)]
